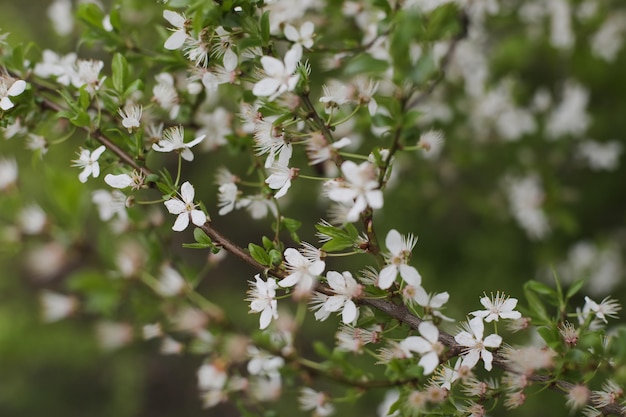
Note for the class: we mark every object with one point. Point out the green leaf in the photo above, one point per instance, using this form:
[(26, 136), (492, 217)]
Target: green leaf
[(576, 286), (259, 254), (537, 309), (201, 236), (292, 226), (551, 336), (120, 72), (265, 28)]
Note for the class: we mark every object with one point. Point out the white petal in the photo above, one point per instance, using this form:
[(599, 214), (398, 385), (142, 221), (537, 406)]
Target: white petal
[(265, 319), (471, 359), (317, 267), (375, 199), (410, 275), (465, 339), (95, 170), (6, 103), (478, 327), (492, 341), (176, 40), (487, 358), (272, 66), (350, 312), (335, 280), (387, 276), (394, 242), (292, 57), (289, 281), (293, 257), (265, 87), (439, 299), (175, 206), (17, 88), (429, 331), (511, 315), (118, 181), (195, 141), (186, 154), (198, 217), (97, 152), (291, 33), (416, 344), (181, 223), (230, 60), (174, 18), (509, 304), (429, 362), (307, 29), (187, 192), (82, 177), (334, 303)]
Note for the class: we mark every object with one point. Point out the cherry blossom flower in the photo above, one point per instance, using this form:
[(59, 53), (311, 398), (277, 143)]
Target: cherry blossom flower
[(165, 95), (432, 143), (262, 298), (131, 116), (56, 306), (88, 161), (280, 178), (607, 308), (109, 204), (271, 140), (360, 188), (174, 140), (431, 303), (224, 49), (500, 306), (427, 345), (176, 39), (212, 379), (319, 150), (262, 363), (169, 282), (227, 198), (345, 288), (10, 88), (8, 173), (301, 38), (475, 347), (280, 75), (32, 219), (185, 208), (88, 74), (400, 248), (310, 399), (302, 270)]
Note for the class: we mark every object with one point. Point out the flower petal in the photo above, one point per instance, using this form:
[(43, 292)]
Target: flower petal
[(410, 275), (387, 276), (187, 192), (198, 217), (174, 206), (394, 242), (176, 40), (181, 223)]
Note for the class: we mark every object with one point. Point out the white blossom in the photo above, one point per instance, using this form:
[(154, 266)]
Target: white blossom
[(600, 156), (310, 399), (131, 116), (169, 282), (32, 219), (165, 94), (174, 140), (88, 161), (301, 270), (110, 203), (400, 248), (271, 140), (280, 75), (474, 346), (10, 87), (280, 178), (498, 306), (427, 345), (56, 306), (185, 208), (606, 308), (135, 180), (262, 298), (360, 188), (346, 289), (8, 173)]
